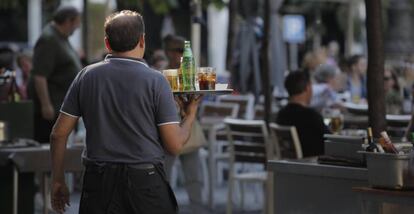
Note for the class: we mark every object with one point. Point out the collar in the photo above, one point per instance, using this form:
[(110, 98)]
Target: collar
[(110, 57), (57, 32)]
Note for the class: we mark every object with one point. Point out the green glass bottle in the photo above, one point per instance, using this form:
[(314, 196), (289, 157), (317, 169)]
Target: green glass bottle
[(187, 68)]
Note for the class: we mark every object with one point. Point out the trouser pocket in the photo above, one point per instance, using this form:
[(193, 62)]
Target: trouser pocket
[(150, 193)]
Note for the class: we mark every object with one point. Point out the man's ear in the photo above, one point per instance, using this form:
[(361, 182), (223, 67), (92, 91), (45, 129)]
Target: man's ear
[(142, 41), (107, 45)]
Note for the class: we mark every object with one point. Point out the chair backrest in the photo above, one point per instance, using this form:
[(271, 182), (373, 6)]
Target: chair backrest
[(245, 102), (397, 124), (249, 140), (259, 112), (214, 109), (286, 139)]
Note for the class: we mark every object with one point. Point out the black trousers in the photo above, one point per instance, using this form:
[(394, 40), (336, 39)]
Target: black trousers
[(125, 189)]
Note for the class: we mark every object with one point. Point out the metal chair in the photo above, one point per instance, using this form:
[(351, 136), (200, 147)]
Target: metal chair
[(213, 112), (287, 143), (259, 112), (245, 102), (397, 124), (249, 143), (211, 116)]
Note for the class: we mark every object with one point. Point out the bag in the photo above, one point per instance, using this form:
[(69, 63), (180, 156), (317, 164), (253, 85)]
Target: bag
[(196, 140)]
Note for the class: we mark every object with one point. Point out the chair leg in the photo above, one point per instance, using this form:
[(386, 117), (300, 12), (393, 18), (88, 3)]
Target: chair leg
[(241, 195), (269, 194), (204, 163), (230, 196)]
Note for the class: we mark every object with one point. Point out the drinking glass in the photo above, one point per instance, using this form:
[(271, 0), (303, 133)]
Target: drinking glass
[(206, 78), (172, 77), (336, 121)]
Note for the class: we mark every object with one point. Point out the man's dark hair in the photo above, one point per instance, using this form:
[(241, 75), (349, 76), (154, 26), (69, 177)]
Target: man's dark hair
[(123, 30), (296, 82), (65, 13), (169, 40), (354, 59)]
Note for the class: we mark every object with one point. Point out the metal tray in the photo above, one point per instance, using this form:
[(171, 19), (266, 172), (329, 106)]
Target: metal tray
[(390, 171), (204, 92)]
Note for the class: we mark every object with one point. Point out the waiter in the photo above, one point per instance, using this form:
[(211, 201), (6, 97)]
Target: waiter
[(55, 65), (130, 119)]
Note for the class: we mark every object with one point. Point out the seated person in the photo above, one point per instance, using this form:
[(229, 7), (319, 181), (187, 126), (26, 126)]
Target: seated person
[(356, 78), (308, 122), (393, 98), (325, 87)]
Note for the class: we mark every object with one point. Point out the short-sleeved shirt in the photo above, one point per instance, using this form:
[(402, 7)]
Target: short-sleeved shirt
[(309, 124), (55, 59), (122, 102)]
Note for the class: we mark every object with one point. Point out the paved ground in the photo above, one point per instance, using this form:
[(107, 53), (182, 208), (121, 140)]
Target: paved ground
[(253, 201)]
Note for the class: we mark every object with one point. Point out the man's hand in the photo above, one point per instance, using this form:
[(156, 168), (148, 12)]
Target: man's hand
[(58, 138), (188, 105), (59, 196), (48, 112)]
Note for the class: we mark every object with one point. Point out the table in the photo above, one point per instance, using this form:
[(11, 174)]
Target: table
[(304, 186), (37, 159), (371, 199)]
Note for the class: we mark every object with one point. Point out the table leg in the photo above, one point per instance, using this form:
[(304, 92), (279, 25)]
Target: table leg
[(211, 174), (15, 189), (369, 206), (45, 192)]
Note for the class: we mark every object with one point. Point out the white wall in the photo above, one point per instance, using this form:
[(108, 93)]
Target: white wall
[(217, 38), (34, 22)]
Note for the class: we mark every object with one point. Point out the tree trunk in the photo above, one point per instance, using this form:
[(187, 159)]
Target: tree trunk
[(266, 89), (375, 80)]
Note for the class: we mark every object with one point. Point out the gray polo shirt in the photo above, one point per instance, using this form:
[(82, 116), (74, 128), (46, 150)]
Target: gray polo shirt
[(122, 102)]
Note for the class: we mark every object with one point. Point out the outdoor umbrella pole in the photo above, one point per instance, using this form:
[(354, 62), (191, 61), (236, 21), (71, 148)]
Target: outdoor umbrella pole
[(375, 76), (266, 89)]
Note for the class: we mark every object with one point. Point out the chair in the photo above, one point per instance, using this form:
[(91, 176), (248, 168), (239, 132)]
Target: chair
[(213, 112), (211, 116), (397, 124), (245, 102), (287, 143), (249, 143), (355, 121), (259, 112)]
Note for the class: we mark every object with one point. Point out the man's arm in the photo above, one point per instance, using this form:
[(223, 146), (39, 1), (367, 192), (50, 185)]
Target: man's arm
[(174, 136), (42, 91), (60, 132)]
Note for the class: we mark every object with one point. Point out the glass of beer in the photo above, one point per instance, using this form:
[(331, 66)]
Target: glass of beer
[(336, 121), (172, 77), (206, 78)]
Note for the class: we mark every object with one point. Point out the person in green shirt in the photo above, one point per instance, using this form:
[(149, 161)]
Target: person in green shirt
[(55, 65)]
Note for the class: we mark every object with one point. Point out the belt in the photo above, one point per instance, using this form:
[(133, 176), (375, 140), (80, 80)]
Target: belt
[(98, 164), (141, 166)]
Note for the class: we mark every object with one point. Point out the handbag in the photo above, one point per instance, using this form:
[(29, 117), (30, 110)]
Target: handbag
[(196, 140)]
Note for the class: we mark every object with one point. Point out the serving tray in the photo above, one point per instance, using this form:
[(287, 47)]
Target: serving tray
[(204, 92)]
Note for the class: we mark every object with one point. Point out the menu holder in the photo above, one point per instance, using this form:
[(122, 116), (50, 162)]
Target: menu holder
[(204, 92)]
